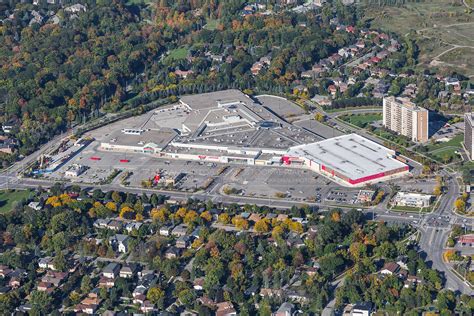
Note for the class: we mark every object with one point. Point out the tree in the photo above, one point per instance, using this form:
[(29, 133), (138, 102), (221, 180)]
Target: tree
[(190, 217), (159, 214), (445, 300), (117, 197), (262, 226), (75, 297), (155, 295), (319, 117), (265, 309), (240, 223), (386, 250), (86, 284), (357, 250), (60, 262), (336, 216), (224, 218), (460, 205), (181, 212), (207, 216), (40, 301), (186, 296), (111, 206), (127, 212), (277, 232)]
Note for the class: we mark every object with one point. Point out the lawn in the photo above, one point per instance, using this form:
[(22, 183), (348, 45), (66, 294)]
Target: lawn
[(445, 155), (454, 142), (178, 53), (8, 197), (412, 209), (446, 152), (212, 25), (362, 120)]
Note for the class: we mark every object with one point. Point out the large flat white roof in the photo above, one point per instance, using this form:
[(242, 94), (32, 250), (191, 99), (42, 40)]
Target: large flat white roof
[(350, 155)]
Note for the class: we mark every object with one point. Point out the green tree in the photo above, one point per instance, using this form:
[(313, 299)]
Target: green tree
[(86, 284), (155, 295), (40, 302)]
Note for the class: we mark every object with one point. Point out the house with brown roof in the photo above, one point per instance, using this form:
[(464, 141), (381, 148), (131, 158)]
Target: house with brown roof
[(106, 282), (390, 268), (225, 309), (4, 271), (45, 287), (281, 217), (254, 217), (147, 307)]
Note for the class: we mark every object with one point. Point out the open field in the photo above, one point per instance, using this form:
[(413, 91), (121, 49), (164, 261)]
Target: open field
[(211, 24), (454, 142), (179, 53), (460, 58), (446, 151), (361, 120), (8, 198), (439, 26)]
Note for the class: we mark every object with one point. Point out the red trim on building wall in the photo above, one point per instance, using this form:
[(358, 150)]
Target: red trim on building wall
[(367, 178)]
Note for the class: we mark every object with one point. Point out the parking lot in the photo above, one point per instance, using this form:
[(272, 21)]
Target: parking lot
[(270, 182), (100, 165), (348, 197), (425, 186)]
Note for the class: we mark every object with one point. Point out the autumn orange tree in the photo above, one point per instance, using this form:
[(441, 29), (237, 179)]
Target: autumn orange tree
[(240, 223)]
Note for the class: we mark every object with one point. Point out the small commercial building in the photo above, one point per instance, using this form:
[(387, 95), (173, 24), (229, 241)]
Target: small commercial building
[(74, 171), (412, 199)]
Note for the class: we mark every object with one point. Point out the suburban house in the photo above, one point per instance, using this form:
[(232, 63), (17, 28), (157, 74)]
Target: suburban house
[(225, 309), (183, 242), (111, 270), (179, 230), (35, 206), (390, 268), (46, 263), (285, 309), (165, 230), (129, 227), (119, 242), (128, 271)]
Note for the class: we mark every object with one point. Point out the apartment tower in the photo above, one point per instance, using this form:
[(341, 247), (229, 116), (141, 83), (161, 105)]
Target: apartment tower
[(404, 117), (468, 134)]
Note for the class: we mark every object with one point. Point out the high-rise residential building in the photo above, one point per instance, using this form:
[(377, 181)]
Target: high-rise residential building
[(468, 134), (406, 118)]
